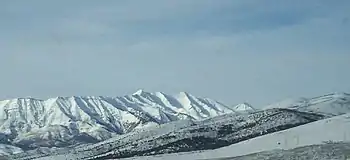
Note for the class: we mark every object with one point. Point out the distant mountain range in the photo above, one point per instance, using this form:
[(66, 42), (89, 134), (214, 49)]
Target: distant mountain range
[(63, 121), (113, 127)]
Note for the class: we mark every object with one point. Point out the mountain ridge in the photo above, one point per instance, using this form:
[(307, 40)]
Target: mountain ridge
[(64, 121), (30, 123), (333, 104)]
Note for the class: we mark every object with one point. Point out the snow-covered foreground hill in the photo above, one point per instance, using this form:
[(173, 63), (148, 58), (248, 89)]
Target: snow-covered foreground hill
[(187, 136), (335, 129), (29, 123), (329, 151)]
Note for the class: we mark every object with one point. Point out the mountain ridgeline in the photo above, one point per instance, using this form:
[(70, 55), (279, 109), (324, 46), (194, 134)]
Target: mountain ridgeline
[(144, 124), (64, 121)]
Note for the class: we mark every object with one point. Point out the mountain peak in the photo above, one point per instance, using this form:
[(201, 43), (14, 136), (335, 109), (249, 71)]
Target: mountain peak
[(140, 92), (184, 94), (244, 107)]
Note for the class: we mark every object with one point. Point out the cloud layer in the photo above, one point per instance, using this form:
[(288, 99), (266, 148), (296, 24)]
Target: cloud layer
[(233, 51)]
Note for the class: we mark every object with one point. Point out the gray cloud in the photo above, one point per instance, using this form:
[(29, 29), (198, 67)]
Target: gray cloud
[(232, 51)]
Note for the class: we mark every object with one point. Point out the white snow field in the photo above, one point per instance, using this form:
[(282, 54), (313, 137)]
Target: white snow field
[(329, 151)]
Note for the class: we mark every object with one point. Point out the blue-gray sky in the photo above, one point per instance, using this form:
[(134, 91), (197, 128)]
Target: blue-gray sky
[(230, 50)]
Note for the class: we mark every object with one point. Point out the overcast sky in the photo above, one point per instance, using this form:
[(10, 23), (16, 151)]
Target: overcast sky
[(256, 51)]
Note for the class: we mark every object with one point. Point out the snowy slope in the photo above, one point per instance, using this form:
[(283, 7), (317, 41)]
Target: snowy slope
[(184, 136), (331, 104), (334, 129), (63, 121), (327, 151)]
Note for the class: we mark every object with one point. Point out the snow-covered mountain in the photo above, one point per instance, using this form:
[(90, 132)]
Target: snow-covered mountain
[(331, 104), (186, 135), (244, 108), (146, 123), (63, 121)]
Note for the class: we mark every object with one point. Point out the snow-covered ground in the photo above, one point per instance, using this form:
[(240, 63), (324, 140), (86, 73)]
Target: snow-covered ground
[(332, 129), (329, 151)]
